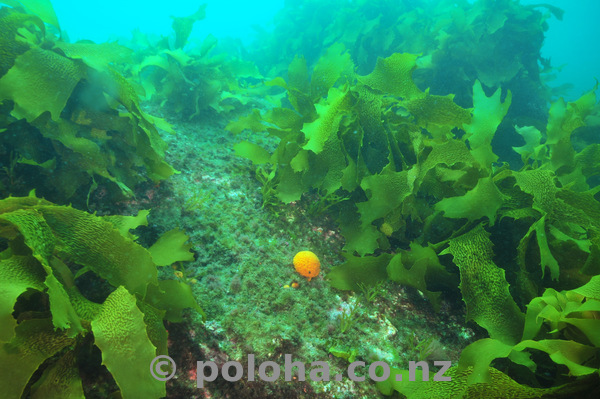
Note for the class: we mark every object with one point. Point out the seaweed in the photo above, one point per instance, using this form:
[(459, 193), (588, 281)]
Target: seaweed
[(194, 83), (74, 114), (460, 42), (564, 325), (53, 270), (358, 143), (404, 157), (398, 125)]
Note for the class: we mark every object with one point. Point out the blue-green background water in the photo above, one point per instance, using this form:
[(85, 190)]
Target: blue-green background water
[(101, 21), (571, 44), (427, 245)]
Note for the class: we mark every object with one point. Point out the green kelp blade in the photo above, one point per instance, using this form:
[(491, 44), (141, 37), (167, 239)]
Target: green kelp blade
[(173, 297), (90, 241), (393, 75), (333, 65), (171, 247), (183, 26), (126, 223), (36, 233), (252, 122), (17, 274), (484, 200), (330, 114), (64, 315), (155, 327), (120, 333), (484, 287), (488, 113), (60, 381), (255, 153), (500, 386), (42, 8), (367, 270), (591, 289), (98, 56), (34, 342), (40, 80), (385, 192)]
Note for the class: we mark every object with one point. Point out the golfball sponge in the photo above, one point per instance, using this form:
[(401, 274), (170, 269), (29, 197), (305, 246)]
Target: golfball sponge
[(307, 264)]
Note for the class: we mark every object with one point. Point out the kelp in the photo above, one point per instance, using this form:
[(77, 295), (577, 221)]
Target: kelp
[(41, 8), (74, 113), (499, 386), (403, 157), (367, 143), (47, 317), (339, 148), (495, 43), (565, 325), (483, 286), (195, 82), (182, 26), (561, 324)]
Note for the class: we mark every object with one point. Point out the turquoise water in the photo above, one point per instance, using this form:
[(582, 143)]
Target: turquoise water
[(571, 43), (364, 187), (106, 20)]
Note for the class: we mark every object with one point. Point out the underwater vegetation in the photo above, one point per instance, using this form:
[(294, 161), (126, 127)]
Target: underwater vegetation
[(69, 119), (495, 42), (428, 138), (77, 291), (72, 283), (420, 198), (193, 83)]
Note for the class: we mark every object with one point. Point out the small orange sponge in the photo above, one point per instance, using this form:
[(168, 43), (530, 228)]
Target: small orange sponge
[(307, 264)]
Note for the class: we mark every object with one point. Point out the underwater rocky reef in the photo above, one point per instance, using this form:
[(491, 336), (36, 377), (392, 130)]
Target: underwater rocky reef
[(391, 183)]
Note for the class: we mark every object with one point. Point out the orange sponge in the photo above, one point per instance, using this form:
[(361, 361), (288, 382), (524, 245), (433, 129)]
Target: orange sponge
[(307, 264)]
